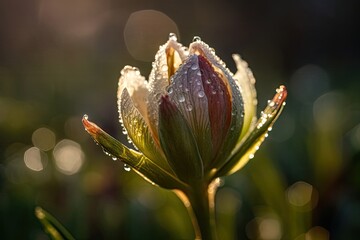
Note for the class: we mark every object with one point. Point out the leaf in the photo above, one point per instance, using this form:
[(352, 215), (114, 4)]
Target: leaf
[(252, 142), (142, 165), (52, 226)]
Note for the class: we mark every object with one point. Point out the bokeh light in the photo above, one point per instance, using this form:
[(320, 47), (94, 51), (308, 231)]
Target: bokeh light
[(264, 228), (43, 138), (73, 21), (145, 31), (315, 233), (68, 156), (34, 159), (329, 111), (309, 82), (302, 194)]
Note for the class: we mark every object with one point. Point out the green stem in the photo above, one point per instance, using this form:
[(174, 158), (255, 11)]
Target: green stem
[(200, 202)]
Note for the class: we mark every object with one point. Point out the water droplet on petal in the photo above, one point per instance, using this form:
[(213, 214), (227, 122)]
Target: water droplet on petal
[(85, 116), (164, 68), (189, 107), (172, 36), (251, 156), (194, 67), (201, 94), (114, 158), (170, 90), (127, 168), (196, 39), (181, 98)]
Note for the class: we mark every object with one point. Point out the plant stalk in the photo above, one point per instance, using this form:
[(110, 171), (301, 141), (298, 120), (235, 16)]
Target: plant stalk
[(200, 202)]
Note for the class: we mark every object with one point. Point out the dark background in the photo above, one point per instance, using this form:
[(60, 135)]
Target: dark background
[(61, 59)]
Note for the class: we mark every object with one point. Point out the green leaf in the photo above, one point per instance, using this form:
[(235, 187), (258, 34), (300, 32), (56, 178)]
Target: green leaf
[(52, 226), (252, 142), (142, 165)]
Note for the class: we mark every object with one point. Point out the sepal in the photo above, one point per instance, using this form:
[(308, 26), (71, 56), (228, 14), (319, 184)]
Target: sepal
[(242, 154), (142, 165)]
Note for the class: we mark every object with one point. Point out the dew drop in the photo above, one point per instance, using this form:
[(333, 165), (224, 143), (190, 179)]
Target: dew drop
[(127, 168), (106, 152), (114, 158), (208, 81), (251, 156), (170, 90), (164, 68), (194, 67), (196, 39), (269, 129), (198, 73), (189, 107), (172, 36), (201, 94), (266, 135), (181, 98), (85, 117)]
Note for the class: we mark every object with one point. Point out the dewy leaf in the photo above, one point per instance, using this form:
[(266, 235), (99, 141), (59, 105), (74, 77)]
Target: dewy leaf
[(178, 142), (140, 163), (52, 226), (252, 143)]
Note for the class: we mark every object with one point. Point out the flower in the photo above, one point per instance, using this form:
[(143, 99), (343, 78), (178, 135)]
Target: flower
[(192, 121)]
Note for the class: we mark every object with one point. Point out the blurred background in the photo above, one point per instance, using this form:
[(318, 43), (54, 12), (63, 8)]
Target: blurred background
[(61, 59)]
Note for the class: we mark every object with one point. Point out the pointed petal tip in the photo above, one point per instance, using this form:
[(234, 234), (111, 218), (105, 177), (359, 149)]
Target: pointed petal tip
[(90, 127), (280, 96)]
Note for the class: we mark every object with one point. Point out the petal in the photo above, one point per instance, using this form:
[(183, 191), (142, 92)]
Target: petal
[(138, 130), (144, 166), (237, 108), (178, 142), (187, 93), (252, 143), (246, 82), (137, 88), (167, 61), (219, 102)]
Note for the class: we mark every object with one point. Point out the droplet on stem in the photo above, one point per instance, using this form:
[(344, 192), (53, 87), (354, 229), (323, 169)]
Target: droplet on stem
[(127, 168)]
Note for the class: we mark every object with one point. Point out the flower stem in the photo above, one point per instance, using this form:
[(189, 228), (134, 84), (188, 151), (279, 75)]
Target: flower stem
[(200, 202)]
